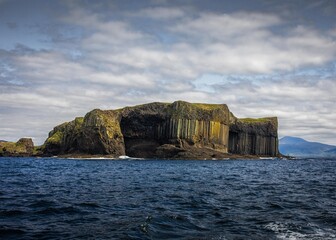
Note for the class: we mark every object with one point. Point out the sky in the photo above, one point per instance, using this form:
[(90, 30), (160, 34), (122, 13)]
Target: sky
[(61, 59)]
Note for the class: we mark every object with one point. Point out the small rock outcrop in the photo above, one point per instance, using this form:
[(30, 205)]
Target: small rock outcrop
[(22, 148), (165, 130)]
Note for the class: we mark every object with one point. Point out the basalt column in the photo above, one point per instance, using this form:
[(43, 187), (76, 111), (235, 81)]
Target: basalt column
[(197, 133), (178, 126), (254, 137)]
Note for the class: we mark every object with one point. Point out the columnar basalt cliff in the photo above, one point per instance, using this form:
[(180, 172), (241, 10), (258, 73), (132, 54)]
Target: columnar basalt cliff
[(165, 130), (254, 136)]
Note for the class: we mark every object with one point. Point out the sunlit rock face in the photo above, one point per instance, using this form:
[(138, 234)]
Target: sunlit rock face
[(97, 133), (165, 130)]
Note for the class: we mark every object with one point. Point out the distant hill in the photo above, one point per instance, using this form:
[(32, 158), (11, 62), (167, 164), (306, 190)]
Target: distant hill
[(295, 146), (332, 151)]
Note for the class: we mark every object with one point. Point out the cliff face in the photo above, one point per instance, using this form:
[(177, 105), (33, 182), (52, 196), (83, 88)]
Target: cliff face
[(22, 148), (254, 136), (172, 130), (97, 133), (177, 130)]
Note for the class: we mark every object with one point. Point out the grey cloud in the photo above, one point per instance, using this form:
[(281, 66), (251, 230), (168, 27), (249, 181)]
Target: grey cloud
[(160, 13), (11, 25), (249, 47), (120, 64)]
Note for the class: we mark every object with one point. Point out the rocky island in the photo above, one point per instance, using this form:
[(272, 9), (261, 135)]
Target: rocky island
[(22, 148), (178, 130)]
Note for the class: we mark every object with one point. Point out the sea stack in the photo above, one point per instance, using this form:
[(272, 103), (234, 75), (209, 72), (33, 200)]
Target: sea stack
[(165, 130), (24, 147)]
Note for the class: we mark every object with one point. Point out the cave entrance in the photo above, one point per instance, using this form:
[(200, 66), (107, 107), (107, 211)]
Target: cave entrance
[(233, 142), (139, 133), (251, 144)]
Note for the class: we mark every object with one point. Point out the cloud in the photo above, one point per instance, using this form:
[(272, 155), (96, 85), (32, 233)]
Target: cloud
[(250, 43), (11, 25), (33, 99), (255, 60), (220, 26), (58, 68), (241, 43), (159, 13)]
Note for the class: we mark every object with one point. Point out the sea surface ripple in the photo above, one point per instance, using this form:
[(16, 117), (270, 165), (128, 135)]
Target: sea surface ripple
[(166, 199)]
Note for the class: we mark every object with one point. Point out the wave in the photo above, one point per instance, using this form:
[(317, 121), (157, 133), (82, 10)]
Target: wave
[(292, 231)]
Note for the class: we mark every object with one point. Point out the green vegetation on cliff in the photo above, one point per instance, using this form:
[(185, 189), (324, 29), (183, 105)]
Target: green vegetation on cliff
[(254, 120), (78, 123), (199, 111), (207, 106), (55, 138), (11, 147), (272, 120)]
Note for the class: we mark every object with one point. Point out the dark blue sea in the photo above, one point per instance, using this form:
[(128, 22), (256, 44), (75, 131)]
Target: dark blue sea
[(167, 199)]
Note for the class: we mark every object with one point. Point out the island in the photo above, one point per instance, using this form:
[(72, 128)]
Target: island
[(178, 130), (165, 130), (24, 147)]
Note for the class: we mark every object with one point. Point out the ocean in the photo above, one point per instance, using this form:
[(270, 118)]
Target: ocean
[(51, 198)]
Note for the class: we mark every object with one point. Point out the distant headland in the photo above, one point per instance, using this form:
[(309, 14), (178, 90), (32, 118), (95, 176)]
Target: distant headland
[(178, 130)]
